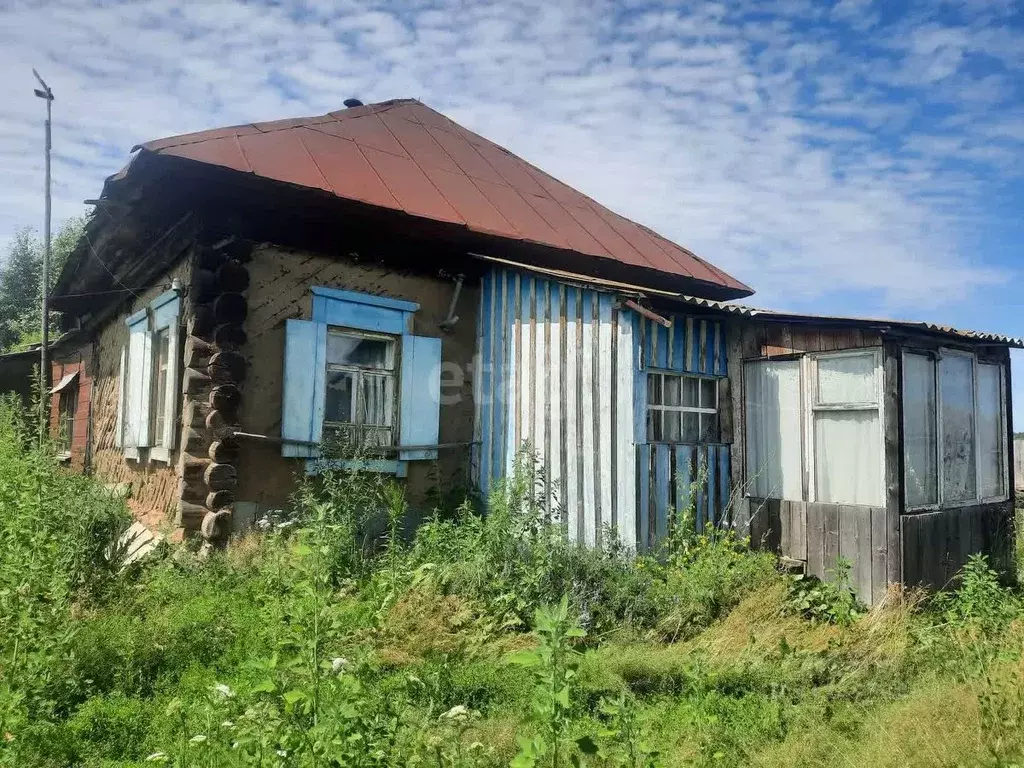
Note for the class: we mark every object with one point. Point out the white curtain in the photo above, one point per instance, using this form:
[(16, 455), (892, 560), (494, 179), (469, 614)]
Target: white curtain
[(847, 457), (774, 458), (919, 430), (847, 443), (990, 432)]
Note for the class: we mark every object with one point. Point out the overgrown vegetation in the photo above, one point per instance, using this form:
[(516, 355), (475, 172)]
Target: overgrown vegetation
[(331, 637), (21, 281)]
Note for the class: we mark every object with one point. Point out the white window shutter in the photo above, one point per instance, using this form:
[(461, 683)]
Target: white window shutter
[(145, 439), (302, 400), (121, 402), (420, 396), (172, 397), (137, 385)]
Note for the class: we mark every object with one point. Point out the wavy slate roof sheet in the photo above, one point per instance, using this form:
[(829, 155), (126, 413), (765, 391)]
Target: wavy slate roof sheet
[(912, 325), (403, 155)]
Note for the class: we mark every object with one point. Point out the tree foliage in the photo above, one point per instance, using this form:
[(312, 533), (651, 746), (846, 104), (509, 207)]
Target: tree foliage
[(20, 273)]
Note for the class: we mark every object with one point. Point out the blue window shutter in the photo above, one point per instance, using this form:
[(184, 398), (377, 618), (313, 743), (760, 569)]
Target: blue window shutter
[(302, 405), (420, 396)]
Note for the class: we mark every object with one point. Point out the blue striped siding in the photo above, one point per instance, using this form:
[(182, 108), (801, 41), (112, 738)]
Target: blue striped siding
[(683, 480), (518, 398), (707, 347), (724, 480), (663, 473), (486, 382), (661, 345), (712, 484), (662, 487)]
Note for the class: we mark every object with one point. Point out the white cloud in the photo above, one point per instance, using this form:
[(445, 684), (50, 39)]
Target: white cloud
[(786, 146)]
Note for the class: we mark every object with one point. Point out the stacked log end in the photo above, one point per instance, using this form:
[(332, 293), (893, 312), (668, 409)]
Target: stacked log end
[(214, 369)]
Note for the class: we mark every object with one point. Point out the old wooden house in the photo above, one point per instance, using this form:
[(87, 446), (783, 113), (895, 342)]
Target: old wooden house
[(381, 277)]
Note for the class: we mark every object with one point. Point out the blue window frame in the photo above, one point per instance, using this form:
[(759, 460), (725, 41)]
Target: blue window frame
[(356, 373)]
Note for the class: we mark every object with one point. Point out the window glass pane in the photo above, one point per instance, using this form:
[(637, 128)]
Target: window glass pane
[(670, 390), (690, 432), (708, 393), (157, 410), (956, 382), (990, 433), (847, 457), (338, 406), (846, 379), (671, 426), (344, 349), (774, 454), (920, 430), (689, 396), (710, 432)]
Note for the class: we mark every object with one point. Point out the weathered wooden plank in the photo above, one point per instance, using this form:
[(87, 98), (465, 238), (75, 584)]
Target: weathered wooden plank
[(684, 482), (701, 470), (643, 480), (661, 489), (816, 539), (864, 553), (604, 387), (572, 405), (712, 483), (892, 421), (831, 537), (591, 493), (785, 528), (847, 521), (798, 516), (879, 555)]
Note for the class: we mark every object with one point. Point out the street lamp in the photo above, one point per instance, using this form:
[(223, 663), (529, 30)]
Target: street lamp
[(47, 94)]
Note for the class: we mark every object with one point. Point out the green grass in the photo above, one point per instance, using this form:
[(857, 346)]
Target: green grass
[(309, 645)]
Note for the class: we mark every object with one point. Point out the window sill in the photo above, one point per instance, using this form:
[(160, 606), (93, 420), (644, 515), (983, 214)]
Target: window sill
[(163, 455), (956, 505), (381, 466)]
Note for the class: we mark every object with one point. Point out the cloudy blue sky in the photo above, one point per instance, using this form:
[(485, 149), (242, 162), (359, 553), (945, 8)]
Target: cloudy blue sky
[(856, 156)]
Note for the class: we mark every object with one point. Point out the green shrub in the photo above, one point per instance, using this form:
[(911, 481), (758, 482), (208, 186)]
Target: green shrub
[(830, 601)]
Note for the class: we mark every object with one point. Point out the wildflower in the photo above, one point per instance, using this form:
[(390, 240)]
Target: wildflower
[(157, 757), (227, 724), (223, 690), (338, 665), (282, 753), (199, 738)]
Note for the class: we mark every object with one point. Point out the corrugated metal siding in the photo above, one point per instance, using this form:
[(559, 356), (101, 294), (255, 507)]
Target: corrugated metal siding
[(556, 370)]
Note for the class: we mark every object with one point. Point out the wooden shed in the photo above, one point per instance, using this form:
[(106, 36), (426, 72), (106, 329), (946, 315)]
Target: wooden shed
[(888, 444)]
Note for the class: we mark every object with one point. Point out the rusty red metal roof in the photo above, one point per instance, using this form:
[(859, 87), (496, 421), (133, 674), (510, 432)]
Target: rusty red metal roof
[(403, 155)]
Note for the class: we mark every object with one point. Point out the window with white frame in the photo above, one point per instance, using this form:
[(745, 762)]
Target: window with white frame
[(954, 429), (682, 409), (819, 416), (846, 428), (147, 416)]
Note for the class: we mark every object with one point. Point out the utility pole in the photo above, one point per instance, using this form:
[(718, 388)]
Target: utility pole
[(44, 373)]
